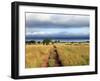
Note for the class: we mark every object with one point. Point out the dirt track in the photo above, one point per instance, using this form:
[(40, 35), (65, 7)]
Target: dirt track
[(54, 60)]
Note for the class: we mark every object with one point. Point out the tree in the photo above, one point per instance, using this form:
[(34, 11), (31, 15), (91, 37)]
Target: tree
[(38, 42), (56, 41), (31, 42), (46, 41)]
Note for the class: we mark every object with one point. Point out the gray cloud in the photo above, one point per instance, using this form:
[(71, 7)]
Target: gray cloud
[(55, 21)]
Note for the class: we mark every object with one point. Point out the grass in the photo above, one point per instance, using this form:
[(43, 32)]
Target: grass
[(72, 55), (37, 55), (69, 54)]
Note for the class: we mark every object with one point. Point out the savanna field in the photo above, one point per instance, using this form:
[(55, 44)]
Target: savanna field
[(57, 55)]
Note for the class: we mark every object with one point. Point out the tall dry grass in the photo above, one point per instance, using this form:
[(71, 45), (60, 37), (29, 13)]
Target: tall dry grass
[(37, 55), (72, 55), (69, 54)]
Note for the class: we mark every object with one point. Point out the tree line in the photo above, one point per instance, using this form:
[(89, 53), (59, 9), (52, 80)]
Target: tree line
[(44, 42)]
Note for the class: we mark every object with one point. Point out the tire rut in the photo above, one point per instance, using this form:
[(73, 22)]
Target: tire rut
[(54, 60)]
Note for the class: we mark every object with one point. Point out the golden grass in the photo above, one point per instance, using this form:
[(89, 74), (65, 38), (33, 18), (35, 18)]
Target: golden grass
[(69, 54), (37, 55)]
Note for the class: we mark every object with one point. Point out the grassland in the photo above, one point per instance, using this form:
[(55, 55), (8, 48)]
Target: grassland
[(71, 55), (59, 54), (37, 55)]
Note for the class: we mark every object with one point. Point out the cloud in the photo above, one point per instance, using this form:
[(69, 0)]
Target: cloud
[(36, 16), (40, 25), (57, 33), (39, 33), (42, 20)]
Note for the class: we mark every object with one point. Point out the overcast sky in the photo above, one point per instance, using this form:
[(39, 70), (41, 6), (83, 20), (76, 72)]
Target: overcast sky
[(56, 25)]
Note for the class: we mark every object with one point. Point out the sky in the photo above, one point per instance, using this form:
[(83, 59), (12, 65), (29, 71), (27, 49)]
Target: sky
[(61, 26)]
